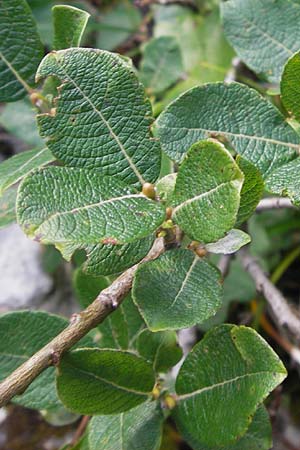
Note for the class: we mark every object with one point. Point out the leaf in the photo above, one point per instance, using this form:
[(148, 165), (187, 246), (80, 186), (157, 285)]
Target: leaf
[(252, 190), (14, 169), (290, 86), (204, 111), (8, 207), (69, 24), (177, 290), (258, 435), (207, 192), (18, 119), (231, 243), (112, 381), (221, 383), (263, 33), (87, 288), (110, 259), (238, 285), (162, 64), (206, 54), (20, 50), (160, 348), (117, 25), (75, 206), (140, 428), (165, 188), (121, 329), (22, 334), (102, 117), (285, 181)]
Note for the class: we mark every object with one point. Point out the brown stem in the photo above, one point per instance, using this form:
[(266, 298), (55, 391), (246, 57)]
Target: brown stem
[(80, 324), (280, 309), (80, 430)]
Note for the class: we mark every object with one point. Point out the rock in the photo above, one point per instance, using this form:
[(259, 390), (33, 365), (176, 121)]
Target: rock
[(23, 283)]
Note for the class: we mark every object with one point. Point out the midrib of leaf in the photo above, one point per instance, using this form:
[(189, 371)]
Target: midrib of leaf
[(203, 195), (224, 383), (239, 135), (268, 36), (92, 205), (16, 74), (112, 133), (185, 280), (111, 383), (121, 430)]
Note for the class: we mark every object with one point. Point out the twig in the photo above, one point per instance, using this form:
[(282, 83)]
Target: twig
[(274, 203), (80, 324), (232, 73), (281, 311), (80, 430), (224, 264), (188, 3)]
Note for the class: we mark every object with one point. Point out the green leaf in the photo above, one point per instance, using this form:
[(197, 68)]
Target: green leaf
[(221, 383), (117, 25), (75, 206), (19, 119), (87, 288), (22, 334), (252, 190), (204, 112), (206, 54), (140, 428), (8, 207), (121, 329), (263, 33), (258, 435), (207, 192), (69, 24), (165, 188), (238, 285), (290, 86), (20, 50), (103, 124), (112, 381), (110, 259), (285, 181), (160, 348), (177, 290), (14, 169), (161, 65), (231, 243)]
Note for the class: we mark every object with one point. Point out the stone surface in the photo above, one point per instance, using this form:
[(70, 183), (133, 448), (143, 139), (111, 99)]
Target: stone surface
[(23, 283)]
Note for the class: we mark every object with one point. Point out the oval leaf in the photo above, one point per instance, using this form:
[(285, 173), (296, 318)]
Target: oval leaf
[(69, 24), (285, 181), (140, 428), (76, 206), (20, 50), (203, 112), (102, 118), (229, 244), (207, 192), (263, 33), (290, 86), (177, 290), (221, 383), (94, 381)]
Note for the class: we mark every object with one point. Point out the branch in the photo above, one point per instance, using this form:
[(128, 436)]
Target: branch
[(80, 324), (274, 203), (281, 311), (224, 264)]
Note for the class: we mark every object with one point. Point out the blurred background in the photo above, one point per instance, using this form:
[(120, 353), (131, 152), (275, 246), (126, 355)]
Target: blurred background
[(174, 45)]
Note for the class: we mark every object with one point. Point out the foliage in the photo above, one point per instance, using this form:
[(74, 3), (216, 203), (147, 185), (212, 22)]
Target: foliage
[(100, 179)]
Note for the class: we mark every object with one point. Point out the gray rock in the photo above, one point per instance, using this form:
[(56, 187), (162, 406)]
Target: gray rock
[(23, 283)]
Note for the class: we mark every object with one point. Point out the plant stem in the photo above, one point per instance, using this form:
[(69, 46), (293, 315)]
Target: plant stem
[(281, 311), (80, 324), (274, 203)]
